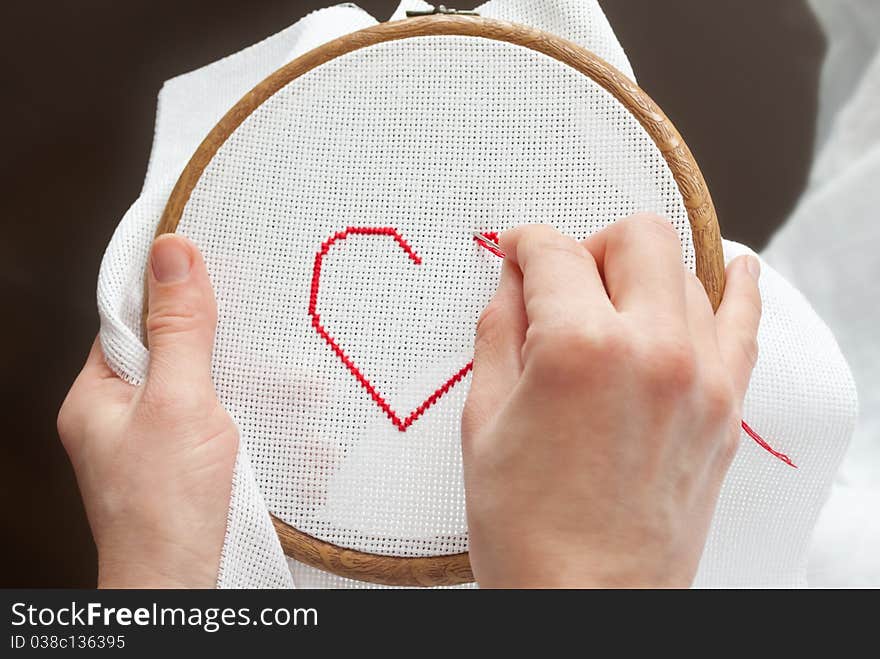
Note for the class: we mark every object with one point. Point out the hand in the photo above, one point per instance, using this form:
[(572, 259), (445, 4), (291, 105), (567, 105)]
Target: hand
[(604, 409), (154, 463)]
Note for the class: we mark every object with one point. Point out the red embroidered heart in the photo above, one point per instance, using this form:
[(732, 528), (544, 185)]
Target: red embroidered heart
[(401, 424)]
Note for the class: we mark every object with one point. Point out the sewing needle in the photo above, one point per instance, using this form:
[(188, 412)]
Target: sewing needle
[(495, 247)]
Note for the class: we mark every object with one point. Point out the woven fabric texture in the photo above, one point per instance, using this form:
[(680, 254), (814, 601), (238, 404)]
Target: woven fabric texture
[(835, 223), (337, 225)]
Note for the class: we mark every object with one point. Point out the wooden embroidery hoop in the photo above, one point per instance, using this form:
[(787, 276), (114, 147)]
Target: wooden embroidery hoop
[(455, 568)]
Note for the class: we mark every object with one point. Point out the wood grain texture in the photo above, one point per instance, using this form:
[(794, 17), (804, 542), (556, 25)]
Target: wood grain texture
[(455, 568), (426, 571)]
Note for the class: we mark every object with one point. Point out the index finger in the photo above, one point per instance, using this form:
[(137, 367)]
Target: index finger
[(561, 283)]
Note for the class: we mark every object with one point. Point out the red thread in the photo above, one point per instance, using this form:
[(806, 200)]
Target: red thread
[(763, 444), (401, 424), (493, 236)]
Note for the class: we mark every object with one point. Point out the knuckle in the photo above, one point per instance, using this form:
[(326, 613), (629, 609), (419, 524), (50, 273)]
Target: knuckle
[(566, 248), (653, 222), (161, 407), (574, 354), (537, 231), (542, 238), (718, 400), (163, 399), (613, 346), (490, 323), (543, 350), (156, 401), (72, 417), (183, 317), (670, 367), (75, 424), (526, 235), (65, 420)]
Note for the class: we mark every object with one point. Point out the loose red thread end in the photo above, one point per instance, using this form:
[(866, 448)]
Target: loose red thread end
[(764, 445)]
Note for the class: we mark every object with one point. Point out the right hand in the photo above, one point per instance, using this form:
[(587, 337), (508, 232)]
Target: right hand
[(604, 410)]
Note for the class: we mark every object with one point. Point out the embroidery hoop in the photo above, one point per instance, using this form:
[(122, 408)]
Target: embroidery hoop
[(455, 569)]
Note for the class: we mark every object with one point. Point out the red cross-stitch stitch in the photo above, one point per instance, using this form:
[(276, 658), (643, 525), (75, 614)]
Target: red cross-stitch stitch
[(401, 423)]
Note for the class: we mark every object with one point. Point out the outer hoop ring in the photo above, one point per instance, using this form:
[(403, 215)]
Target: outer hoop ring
[(455, 568)]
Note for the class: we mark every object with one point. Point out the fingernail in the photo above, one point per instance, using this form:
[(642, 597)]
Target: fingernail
[(753, 266), (170, 259)]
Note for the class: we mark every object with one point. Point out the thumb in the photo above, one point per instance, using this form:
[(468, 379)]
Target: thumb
[(501, 332), (181, 319)]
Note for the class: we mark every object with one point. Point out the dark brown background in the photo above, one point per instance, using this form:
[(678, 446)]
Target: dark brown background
[(79, 81)]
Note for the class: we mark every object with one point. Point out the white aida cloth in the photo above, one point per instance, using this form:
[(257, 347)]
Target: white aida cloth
[(336, 224), (836, 223)]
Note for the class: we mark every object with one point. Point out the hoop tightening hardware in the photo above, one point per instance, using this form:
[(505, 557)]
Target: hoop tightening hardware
[(440, 9)]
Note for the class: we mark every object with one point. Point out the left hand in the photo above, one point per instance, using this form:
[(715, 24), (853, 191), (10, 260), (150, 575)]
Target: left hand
[(154, 462)]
